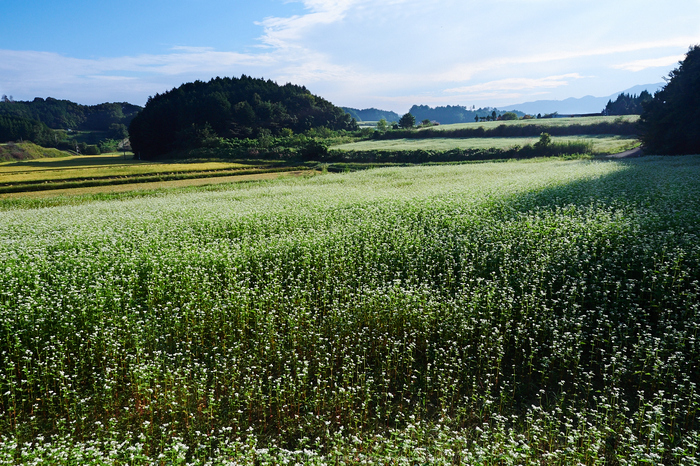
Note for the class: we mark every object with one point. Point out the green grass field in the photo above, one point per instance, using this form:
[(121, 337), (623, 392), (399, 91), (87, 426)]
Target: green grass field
[(601, 144), (530, 313), (541, 121)]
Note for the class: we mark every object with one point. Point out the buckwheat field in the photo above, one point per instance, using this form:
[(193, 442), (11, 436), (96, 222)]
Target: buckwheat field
[(542, 312)]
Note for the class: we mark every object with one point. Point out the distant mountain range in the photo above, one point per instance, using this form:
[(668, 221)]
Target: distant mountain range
[(587, 104)]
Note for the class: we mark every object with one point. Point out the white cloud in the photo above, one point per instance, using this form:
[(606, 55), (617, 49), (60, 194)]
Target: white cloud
[(517, 84), (282, 33), (639, 65), (362, 51), (465, 71), (132, 78)]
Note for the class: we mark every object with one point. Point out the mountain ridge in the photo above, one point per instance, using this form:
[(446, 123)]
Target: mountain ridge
[(581, 105)]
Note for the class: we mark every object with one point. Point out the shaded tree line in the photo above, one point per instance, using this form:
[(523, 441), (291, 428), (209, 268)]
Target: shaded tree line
[(64, 114), (371, 114), (543, 148), (454, 113), (627, 104), (190, 115)]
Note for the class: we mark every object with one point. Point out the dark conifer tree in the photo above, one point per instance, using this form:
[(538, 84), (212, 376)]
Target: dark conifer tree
[(670, 123)]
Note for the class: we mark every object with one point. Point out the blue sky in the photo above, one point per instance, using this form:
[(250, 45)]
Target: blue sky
[(388, 54)]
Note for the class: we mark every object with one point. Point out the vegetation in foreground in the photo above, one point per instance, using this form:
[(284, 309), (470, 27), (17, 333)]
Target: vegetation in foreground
[(513, 313)]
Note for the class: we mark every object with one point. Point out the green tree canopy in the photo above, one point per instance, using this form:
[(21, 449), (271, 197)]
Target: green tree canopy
[(64, 114), (242, 107), (627, 104), (407, 121), (670, 123)]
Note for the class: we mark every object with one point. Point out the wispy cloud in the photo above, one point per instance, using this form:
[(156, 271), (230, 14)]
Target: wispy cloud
[(440, 51), (33, 73), (639, 65), (517, 84), (283, 33), (466, 71)]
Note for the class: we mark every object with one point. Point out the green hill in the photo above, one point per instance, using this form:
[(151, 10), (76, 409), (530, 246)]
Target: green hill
[(240, 108), (372, 114), (64, 114)]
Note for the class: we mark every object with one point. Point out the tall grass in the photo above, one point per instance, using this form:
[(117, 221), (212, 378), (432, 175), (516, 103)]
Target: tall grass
[(517, 313)]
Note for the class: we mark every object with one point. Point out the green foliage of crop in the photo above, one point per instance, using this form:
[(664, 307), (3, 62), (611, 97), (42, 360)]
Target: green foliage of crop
[(512, 313)]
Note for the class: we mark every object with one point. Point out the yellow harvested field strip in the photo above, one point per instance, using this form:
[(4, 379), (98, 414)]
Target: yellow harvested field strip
[(15, 174), (121, 188)]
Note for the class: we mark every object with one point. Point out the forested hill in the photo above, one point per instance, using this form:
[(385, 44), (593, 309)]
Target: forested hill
[(64, 114), (243, 107), (451, 114), (372, 114)]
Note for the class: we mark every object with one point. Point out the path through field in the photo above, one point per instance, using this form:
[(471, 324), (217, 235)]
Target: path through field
[(628, 154)]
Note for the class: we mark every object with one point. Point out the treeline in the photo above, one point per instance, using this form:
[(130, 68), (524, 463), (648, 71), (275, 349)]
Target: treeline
[(64, 114), (451, 114), (617, 126), (245, 107), (308, 148), (372, 114), (627, 104), (14, 128), (457, 155), (296, 146)]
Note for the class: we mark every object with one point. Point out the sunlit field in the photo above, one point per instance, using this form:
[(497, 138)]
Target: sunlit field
[(583, 121), (600, 144), (110, 165), (539, 312), (74, 196)]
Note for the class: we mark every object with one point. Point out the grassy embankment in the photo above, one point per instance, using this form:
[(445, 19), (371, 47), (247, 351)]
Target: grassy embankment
[(10, 152), (528, 313)]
